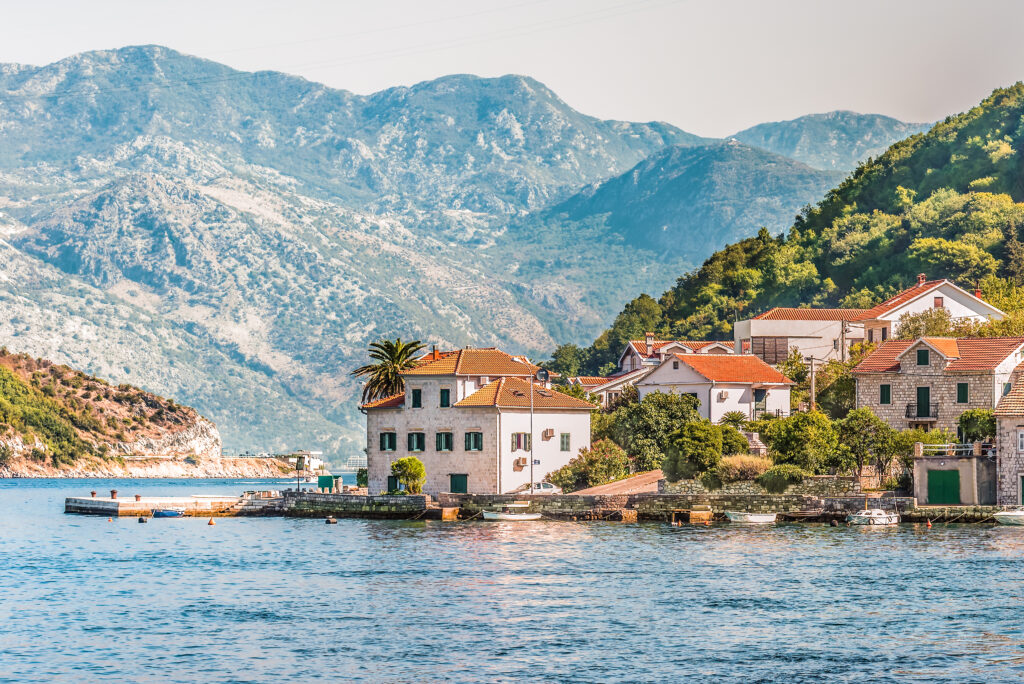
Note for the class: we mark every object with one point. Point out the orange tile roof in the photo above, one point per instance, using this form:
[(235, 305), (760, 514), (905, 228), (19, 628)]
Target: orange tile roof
[(1012, 404), (781, 313), (693, 345), (488, 362), (900, 299), (742, 368), (433, 355), (589, 380), (394, 401), (515, 393), (973, 354)]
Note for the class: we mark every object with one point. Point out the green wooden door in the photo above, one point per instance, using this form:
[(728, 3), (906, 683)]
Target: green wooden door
[(459, 484), (924, 400), (392, 483), (944, 487)]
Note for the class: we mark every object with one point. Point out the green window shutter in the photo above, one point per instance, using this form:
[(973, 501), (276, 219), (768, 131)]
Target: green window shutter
[(445, 398), (392, 483), (962, 393), (478, 441), (564, 441), (412, 441), (438, 442), (528, 442), (383, 441), (922, 357), (513, 441), (417, 398), (885, 394), (469, 441)]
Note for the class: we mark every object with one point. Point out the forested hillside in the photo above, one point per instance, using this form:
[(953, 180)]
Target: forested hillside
[(946, 203)]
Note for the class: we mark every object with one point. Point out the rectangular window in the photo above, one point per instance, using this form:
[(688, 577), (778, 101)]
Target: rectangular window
[(444, 441), (563, 442), (417, 441), (446, 398), (521, 441), (675, 365), (417, 398), (938, 303), (388, 441), (885, 394), (474, 441), (458, 483), (922, 357), (885, 334), (1020, 441), (1006, 388), (962, 393), (871, 336)]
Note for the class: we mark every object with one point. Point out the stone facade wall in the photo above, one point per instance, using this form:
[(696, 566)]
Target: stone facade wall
[(819, 485), (1009, 461), (313, 505), (981, 391)]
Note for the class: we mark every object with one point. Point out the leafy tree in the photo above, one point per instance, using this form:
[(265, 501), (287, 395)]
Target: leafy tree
[(410, 472), (735, 419), (645, 428), (927, 323), (384, 376), (362, 478), (569, 360), (696, 448), (580, 393), (866, 437), (977, 425), (603, 462), (638, 317), (732, 441), (805, 440)]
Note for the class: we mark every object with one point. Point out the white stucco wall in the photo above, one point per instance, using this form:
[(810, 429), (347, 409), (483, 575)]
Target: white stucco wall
[(811, 338), (716, 399), (547, 451)]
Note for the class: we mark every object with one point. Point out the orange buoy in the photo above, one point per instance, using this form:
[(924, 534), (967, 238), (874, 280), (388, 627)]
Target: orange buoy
[(929, 523), (110, 520), (211, 522)]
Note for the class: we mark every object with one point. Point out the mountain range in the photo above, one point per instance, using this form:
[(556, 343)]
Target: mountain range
[(235, 239)]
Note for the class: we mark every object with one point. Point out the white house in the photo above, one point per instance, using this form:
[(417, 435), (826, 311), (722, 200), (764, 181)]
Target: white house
[(722, 383), (649, 352), (826, 334), (466, 416)]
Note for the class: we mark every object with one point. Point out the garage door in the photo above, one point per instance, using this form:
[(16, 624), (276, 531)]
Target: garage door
[(944, 487)]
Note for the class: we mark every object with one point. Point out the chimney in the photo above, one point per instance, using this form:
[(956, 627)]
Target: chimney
[(977, 290), (921, 278), (650, 344)]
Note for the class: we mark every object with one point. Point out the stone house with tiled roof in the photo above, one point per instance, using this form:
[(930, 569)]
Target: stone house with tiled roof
[(826, 334), (722, 383), (1010, 447), (466, 416), (927, 383)]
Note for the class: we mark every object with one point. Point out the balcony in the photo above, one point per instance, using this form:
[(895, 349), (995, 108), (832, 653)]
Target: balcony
[(922, 411)]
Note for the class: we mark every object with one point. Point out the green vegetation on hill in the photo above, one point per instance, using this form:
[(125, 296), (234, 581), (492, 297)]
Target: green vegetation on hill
[(946, 203)]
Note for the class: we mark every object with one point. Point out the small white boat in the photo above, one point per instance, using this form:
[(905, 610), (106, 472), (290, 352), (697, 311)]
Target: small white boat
[(1011, 516), (751, 518), (873, 516), (511, 511)]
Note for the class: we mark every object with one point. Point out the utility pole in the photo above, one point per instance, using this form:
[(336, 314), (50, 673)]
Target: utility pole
[(814, 403), (842, 343)]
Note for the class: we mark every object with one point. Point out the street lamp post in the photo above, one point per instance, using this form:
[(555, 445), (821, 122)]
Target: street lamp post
[(542, 376)]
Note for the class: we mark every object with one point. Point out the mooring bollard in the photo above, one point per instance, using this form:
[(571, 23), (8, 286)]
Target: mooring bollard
[(93, 493), (138, 497), (113, 493)]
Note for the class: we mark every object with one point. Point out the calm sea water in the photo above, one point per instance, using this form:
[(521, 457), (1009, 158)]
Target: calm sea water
[(272, 600)]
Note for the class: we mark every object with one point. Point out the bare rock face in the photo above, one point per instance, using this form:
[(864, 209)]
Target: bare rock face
[(200, 439)]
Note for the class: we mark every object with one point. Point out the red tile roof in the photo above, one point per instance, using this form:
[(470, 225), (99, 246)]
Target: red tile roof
[(781, 313), (973, 354), (899, 300), (741, 368), (393, 401), (515, 393), (693, 345), (1012, 404), (486, 362), (589, 380)]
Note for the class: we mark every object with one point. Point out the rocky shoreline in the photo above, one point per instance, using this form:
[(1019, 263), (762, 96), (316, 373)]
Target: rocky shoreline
[(189, 467)]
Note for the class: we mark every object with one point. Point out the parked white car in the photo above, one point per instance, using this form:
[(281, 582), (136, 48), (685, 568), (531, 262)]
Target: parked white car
[(538, 488)]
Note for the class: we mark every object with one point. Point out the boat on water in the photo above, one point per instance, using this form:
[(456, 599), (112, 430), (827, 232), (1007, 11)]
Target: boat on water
[(1011, 516), (873, 516), (169, 513), (511, 511), (751, 518)]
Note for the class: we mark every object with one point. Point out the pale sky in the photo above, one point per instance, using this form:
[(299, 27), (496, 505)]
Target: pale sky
[(711, 67)]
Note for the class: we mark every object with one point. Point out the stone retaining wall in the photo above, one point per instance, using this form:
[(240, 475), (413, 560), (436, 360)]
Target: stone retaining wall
[(819, 485), (315, 505)]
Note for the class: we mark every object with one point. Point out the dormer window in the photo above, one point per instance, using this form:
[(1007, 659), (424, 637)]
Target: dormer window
[(938, 303), (922, 357)]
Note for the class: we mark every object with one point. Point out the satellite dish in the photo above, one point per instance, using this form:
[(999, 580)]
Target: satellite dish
[(542, 375)]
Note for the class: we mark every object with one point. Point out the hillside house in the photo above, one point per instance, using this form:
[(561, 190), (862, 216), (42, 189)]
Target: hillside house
[(466, 416), (927, 383), (722, 383), (1010, 447), (649, 352), (827, 334)]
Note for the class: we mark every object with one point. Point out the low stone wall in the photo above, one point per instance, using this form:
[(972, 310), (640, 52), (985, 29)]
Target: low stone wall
[(316, 505), (819, 485)]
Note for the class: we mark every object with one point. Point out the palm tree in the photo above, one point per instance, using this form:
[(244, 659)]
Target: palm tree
[(391, 357)]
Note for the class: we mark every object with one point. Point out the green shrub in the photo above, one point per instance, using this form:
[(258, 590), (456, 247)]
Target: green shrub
[(410, 472), (806, 440), (976, 425), (711, 480), (777, 478), (695, 448), (362, 478), (732, 441), (739, 467), (736, 419), (605, 461)]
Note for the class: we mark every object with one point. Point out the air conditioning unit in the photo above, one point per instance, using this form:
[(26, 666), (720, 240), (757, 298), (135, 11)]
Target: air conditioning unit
[(548, 434), (519, 463), (723, 395)]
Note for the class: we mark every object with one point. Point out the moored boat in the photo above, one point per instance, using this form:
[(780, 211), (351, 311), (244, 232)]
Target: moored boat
[(511, 511), (168, 512), (1011, 516), (751, 518), (873, 516)]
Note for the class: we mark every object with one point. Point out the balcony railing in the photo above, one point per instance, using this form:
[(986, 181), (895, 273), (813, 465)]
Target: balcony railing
[(930, 411)]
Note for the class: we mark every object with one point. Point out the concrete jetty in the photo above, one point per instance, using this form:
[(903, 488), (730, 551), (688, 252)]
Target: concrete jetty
[(196, 505)]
